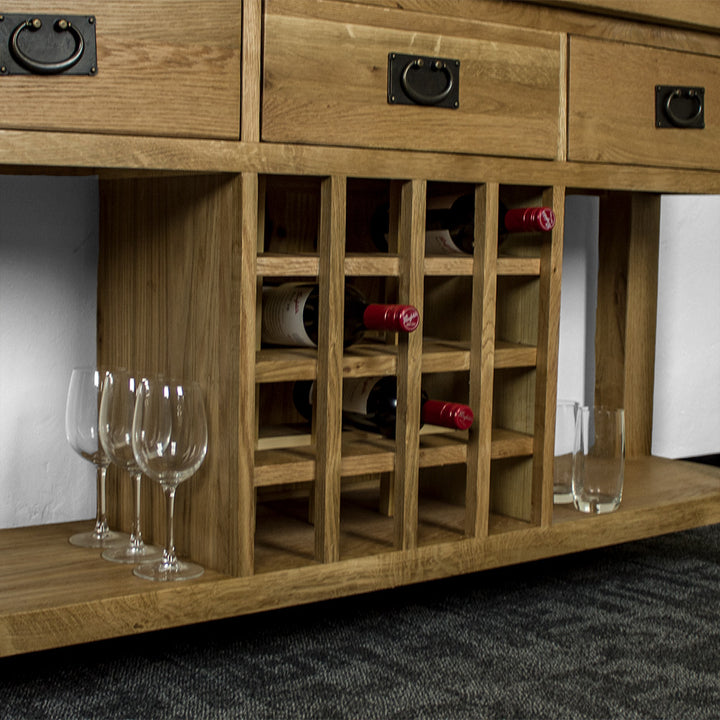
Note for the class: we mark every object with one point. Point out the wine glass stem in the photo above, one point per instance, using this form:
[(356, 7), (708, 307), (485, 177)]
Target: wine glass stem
[(101, 523), (169, 558), (136, 539)]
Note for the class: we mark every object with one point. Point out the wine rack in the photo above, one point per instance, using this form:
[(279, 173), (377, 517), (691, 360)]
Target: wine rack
[(486, 338)]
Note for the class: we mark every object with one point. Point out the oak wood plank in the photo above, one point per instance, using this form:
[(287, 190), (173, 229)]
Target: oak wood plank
[(314, 94), (482, 360), (180, 242), (164, 68), (114, 156), (547, 359), (104, 600), (327, 408), (411, 249)]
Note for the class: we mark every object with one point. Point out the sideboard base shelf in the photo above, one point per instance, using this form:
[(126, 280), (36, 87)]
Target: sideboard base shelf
[(56, 595)]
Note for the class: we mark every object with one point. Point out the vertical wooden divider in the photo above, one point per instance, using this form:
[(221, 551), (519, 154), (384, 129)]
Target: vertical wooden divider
[(547, 361), (327, 415), (411, 248), (182, 243), (251, 70), (627, 312), (482, 360), (387, 479), (247, 412)]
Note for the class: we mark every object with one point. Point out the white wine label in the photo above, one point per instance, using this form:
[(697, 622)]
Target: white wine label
[(355, 394), (282, 315), (439, 242)]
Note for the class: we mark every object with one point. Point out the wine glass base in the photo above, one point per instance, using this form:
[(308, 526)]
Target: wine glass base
[(91, 539), (132, 554), (162, 572)]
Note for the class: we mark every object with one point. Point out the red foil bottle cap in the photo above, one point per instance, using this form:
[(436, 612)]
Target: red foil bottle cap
[(447, 414), (401, 318), (529, 219)]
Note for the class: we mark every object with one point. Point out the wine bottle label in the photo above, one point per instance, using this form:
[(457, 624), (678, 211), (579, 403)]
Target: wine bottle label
[(439, 242), (282, 315), (355, 394)]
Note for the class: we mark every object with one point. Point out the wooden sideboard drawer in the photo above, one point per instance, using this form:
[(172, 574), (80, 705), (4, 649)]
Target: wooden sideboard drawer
[(166, 67), (612, 105), (325, 81)]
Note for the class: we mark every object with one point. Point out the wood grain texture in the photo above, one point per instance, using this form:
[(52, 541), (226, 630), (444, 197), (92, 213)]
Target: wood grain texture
[(627, 310), (573, 19), (164, 68), (551, 254), (604, 130), (114, 156), (325, 81), (245, 288), (251, 70), (482, 360), (55, 595), (168, 302), (696, 13), (411, 249), (327, 408)]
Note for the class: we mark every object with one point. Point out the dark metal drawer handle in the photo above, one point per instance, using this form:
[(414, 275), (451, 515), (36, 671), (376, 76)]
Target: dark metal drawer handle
[(418, 97), (38, 66), (676, 119)]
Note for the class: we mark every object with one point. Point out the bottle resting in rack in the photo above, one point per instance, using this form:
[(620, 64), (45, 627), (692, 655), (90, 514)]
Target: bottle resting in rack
[(450, 220), (371, 404), (290, 315)]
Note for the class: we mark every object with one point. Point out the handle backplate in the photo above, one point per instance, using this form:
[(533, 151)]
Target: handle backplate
[(57, 44), (679, 106), (423, 80)]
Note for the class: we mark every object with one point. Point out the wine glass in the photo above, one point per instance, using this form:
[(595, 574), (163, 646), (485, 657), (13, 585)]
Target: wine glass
[(169, 441), (81, 430), (117, 407)]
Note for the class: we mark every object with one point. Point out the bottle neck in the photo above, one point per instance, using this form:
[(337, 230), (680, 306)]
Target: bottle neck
[(399, 318), (529, 219), (447, 414)]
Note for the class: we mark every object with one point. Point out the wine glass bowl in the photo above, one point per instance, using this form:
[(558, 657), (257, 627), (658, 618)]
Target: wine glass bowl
[(169, 441), (117, 408), (82, 433)]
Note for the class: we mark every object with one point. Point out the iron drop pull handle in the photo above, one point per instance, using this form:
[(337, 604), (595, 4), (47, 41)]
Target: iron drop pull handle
[(675, 119), (38, 66), (417, 96)]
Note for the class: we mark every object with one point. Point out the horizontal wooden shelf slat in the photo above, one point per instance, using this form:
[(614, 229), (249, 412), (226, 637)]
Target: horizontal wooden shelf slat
[(383, 265), (121, 156), (371, 359), (364, 453), (518, 266)]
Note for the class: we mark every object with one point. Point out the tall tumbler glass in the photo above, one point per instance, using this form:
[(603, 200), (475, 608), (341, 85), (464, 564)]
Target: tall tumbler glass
[(566, 416), (599, 462)]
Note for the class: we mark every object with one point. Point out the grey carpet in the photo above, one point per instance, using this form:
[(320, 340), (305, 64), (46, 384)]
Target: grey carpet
[(626, 632)]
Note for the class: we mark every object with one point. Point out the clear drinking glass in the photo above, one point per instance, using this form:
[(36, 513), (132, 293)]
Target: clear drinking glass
[(169, 440), (81, 430), (117, 408), (599, 461), (566, 415)]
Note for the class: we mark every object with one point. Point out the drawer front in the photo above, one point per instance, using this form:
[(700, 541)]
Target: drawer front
[(163, 68), (326, 81), (612, 115)]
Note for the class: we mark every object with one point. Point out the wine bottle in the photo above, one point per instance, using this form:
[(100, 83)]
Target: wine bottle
[(371, 404), (450, 224), (290, 315)]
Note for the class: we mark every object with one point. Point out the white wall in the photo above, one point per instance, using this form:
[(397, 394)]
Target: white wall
[(48, 264), (686, 417), (48, 287)]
